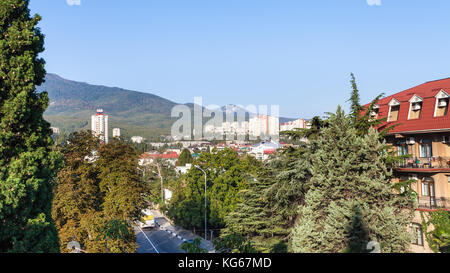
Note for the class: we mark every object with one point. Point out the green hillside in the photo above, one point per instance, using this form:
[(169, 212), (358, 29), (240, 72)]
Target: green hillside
[(72, 104)]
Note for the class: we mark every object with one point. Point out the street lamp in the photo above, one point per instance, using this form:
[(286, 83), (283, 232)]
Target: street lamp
[(198, 167)]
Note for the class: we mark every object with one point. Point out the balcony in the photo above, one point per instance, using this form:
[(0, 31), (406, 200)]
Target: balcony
[(427, 202), (434, 163)]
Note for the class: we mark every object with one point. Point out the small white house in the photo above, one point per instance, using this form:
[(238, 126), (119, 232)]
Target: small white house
[(137, 139), (183, 169)]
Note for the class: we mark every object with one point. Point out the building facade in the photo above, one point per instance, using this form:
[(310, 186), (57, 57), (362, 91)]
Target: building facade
[(116, 132), (295, 124), (99, 125), (264, 126), (422, 135)]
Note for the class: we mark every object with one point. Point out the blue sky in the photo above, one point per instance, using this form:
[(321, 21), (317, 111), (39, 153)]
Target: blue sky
[(294, 53)]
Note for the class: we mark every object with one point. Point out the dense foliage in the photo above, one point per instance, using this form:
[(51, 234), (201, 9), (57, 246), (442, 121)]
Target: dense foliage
[(351, 201), (27, 161), (99, 194), (439, 237), (185, 157), (227, 174)]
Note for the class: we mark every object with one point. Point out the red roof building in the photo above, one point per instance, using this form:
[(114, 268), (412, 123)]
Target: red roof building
[(422, 136), (428, 97)]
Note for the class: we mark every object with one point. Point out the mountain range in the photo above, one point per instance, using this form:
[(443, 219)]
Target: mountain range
[(136, 113)]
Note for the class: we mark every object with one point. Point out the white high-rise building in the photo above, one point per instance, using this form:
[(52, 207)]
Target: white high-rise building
[(116, 132), (264, 126), (99, 125)]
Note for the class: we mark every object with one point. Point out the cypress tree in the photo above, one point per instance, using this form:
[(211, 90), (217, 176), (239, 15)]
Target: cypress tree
[(185, 157), (27, 162), (351, 200)]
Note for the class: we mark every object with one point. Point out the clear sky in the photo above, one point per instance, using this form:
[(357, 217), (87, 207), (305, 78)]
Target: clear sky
[(294, 53)]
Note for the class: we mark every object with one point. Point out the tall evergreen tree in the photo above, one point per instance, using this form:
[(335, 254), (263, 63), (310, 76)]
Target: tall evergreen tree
[(355, 108), (351, 200), (27, 162), (185, 157)]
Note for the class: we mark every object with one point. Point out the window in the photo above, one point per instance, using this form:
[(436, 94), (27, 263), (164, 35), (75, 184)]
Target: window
[(426, 149), (415, 107), (428, 187), (442, 101), (402, 150), (374, 113), (417, 234), (394, 109)]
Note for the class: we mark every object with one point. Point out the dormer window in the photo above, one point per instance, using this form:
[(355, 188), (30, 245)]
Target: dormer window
[(394, 109), (442, 101), (415, 107), (374, 113)]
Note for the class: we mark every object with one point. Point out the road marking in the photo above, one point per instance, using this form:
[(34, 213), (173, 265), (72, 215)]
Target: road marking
[(149, 240)]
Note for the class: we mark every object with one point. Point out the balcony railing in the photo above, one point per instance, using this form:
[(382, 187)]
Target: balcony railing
[(427, 202), (435, 162)]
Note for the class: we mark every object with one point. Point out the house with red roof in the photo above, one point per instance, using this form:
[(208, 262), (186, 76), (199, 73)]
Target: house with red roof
[(148, 158), (422, 134)]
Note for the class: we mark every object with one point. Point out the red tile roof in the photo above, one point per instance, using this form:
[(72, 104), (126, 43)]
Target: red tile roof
[(164, 156), (426, 122)]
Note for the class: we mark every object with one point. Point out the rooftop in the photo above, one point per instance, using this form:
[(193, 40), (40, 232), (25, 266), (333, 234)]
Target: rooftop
[(426, 122)]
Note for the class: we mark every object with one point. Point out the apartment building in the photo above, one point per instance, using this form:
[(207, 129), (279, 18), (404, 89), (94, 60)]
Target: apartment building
[(99, 125), (264, 126), (422, 133), (295, 124), (116, 132)]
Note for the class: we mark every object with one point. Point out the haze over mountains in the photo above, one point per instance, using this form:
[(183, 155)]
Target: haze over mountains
[(136, 113)]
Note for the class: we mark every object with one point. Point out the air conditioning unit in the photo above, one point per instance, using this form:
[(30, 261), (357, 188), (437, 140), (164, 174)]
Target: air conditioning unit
[(416, 106), (410, 141), (442, 103), (445, 139)]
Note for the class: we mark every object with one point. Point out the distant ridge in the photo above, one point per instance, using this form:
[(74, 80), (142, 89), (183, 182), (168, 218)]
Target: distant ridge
[(136, 113)]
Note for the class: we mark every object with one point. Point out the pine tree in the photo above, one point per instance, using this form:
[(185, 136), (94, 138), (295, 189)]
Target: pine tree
[(355, 108), (27, 162), (351, 200)]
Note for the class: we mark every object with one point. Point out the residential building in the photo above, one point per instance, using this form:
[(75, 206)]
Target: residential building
[(183, 169), (295, 124), (99, 125), (137, 139), (263, 150), (264, 126), (149, 158), (116, 132), (422, 133)]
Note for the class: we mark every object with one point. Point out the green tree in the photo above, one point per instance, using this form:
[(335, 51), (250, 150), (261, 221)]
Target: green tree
[(77, 193), (185, 157), (439, 237), (193, 247), (27, 162), (226, 176), (233, 243), (99, 194), (351, 200)]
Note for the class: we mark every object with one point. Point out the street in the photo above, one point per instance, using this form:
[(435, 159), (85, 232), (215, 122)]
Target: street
[(156, 240)]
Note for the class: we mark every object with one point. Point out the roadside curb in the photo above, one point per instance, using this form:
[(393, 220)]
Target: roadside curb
[(171, 232)]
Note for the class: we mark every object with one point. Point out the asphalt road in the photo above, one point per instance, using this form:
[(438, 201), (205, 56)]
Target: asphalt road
[(154, 240)]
